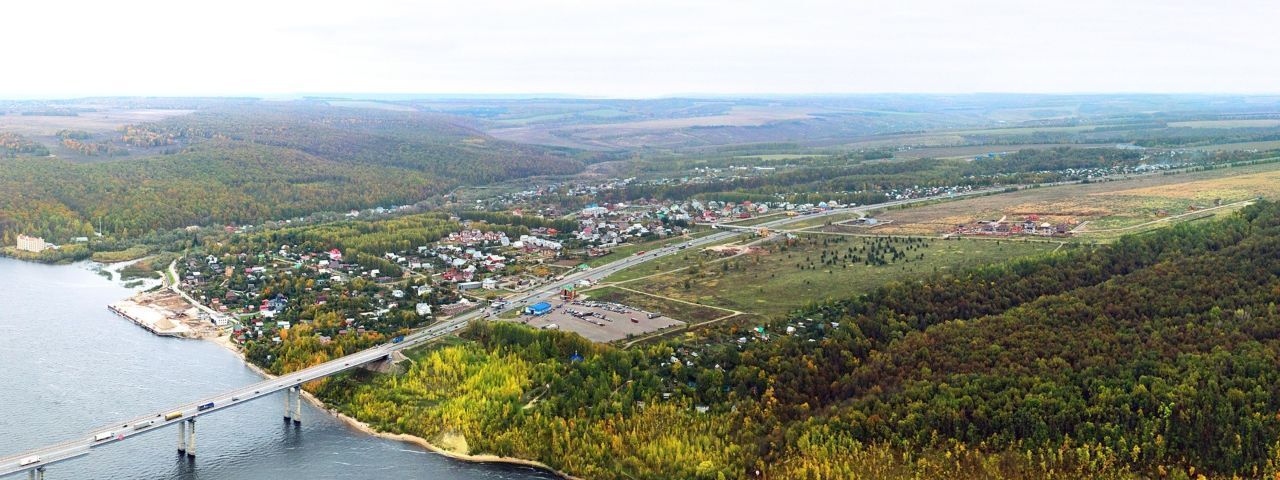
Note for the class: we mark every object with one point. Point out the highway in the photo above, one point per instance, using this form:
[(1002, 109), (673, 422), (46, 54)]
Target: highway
[(123, 429)]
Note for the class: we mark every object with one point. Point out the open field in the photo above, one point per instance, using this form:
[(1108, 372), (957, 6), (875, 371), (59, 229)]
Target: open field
[(635, 133), (1254, 123), (371, 104), (94, 122), (670, 262), (820, 221), (1024, 130), (975, 150), (629, 249), (779, 277), (1104, 205), (1267, 145), (782, 156), (738, 116)]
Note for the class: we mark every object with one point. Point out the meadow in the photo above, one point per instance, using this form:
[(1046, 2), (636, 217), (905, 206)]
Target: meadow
[(782, 276), (1104, 205)]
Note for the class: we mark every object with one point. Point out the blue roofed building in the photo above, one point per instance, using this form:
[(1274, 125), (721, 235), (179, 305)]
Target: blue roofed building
[(540, 308)]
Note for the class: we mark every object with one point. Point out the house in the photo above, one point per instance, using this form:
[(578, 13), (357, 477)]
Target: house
[(423, 309), (489, 284)]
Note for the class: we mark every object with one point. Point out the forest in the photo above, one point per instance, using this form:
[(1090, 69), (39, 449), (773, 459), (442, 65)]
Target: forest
[(246, 164), (1154, 356)]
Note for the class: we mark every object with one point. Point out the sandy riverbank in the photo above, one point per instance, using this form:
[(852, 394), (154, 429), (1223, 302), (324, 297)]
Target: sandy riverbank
[(225, 342)]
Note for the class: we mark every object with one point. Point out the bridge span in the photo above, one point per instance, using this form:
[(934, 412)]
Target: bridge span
[(184, 416)]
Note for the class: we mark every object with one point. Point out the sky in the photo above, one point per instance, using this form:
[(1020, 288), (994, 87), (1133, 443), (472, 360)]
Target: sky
[(637, 49)]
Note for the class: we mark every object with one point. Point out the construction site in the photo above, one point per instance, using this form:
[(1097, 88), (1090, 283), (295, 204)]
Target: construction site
[(164, 313)]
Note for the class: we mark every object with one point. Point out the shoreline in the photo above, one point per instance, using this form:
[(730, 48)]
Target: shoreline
[(225, 342)]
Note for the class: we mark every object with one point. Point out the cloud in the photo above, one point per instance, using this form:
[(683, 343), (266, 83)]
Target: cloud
[(637, 48)]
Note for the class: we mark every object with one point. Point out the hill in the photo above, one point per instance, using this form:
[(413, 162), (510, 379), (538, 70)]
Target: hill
[(246, 163)]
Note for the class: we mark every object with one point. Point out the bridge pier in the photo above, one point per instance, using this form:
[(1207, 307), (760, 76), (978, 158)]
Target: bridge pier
[(36, 473), (288, 408), (297, 405), (191, 441), (182, 438)]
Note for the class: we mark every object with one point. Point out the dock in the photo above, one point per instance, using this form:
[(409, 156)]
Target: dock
[(149, 318)]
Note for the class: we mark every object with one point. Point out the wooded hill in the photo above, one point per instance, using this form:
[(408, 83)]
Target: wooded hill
[(247, 164)]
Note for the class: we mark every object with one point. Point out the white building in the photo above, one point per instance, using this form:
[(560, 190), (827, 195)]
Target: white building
[(540, 243), (31, 244)]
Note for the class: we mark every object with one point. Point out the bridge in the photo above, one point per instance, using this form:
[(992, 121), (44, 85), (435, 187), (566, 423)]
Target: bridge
[(35, 462)]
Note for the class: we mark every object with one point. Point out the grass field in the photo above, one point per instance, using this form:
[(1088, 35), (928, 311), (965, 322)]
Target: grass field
[(1024, 130), (1104, 205), (1257, 123), (631, 249), (1265, 145), (669, 262), (819, 221), (969, 151), (103, 121), (783, 276)]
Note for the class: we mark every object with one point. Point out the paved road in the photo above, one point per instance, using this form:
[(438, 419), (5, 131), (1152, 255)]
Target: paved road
[(122, 430)]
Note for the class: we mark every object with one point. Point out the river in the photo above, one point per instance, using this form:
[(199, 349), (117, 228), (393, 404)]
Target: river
[(70, 366)]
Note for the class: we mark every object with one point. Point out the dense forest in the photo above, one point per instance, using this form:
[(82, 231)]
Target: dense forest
[(249, 164), (1155, 356)]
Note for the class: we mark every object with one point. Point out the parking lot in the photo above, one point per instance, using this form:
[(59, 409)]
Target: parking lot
[(600, 321)]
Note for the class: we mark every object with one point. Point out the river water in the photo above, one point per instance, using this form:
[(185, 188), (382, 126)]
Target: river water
[(69, 365)]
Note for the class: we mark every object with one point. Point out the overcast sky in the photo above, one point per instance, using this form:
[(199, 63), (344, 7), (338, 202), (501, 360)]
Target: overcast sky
[(640, 48)]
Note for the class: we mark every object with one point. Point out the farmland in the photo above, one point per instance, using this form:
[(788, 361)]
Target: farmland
[(1103, 205)]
